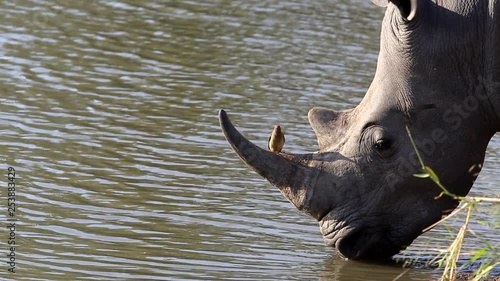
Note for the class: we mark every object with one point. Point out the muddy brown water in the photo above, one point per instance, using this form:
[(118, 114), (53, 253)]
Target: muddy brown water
[(108, 113)]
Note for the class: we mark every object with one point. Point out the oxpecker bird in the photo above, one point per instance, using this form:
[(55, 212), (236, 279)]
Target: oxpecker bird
[(276, 140)]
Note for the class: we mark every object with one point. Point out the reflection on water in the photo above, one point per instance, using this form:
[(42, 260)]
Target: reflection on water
[(109, 117)]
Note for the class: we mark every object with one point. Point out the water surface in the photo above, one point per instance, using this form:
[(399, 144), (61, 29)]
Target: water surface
[(109, 116)]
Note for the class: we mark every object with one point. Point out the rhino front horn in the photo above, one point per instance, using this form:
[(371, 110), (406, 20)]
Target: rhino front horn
[(292, 174)]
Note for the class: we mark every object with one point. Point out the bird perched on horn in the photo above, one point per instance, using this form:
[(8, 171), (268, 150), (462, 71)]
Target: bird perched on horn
[(276, 140)]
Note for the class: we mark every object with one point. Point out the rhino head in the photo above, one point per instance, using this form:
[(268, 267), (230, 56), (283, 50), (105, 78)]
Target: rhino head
[(437, 74)]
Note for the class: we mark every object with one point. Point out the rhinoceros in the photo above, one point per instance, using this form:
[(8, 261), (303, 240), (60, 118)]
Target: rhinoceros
[(438, 74)]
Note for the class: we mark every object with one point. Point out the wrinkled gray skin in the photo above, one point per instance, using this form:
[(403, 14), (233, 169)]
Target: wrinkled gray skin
[(439, 73)]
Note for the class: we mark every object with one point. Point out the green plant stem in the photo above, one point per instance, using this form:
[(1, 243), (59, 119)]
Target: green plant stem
[(415, 148)]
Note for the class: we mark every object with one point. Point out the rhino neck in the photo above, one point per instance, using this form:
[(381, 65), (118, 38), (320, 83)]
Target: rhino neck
[(493, 58), (496, 105), (493, 103), (456, 65)]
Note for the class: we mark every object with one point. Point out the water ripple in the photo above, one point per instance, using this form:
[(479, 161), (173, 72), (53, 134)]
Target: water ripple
[(109, 117)]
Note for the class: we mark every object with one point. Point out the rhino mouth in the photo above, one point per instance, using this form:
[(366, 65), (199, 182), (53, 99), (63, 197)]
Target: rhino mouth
[(366, 245), (356, 240)]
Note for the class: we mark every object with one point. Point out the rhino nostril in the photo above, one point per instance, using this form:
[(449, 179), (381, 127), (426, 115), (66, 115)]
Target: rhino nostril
[(347, 246)]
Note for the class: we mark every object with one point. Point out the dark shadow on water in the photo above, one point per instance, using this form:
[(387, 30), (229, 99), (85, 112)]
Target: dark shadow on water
[(401, 268), (339, 269)]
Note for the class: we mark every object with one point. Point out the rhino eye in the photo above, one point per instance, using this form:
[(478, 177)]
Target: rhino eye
[(383, 144)]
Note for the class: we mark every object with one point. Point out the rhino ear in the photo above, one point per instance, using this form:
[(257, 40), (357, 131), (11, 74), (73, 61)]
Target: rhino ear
[(408, 8), (381, 3)]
